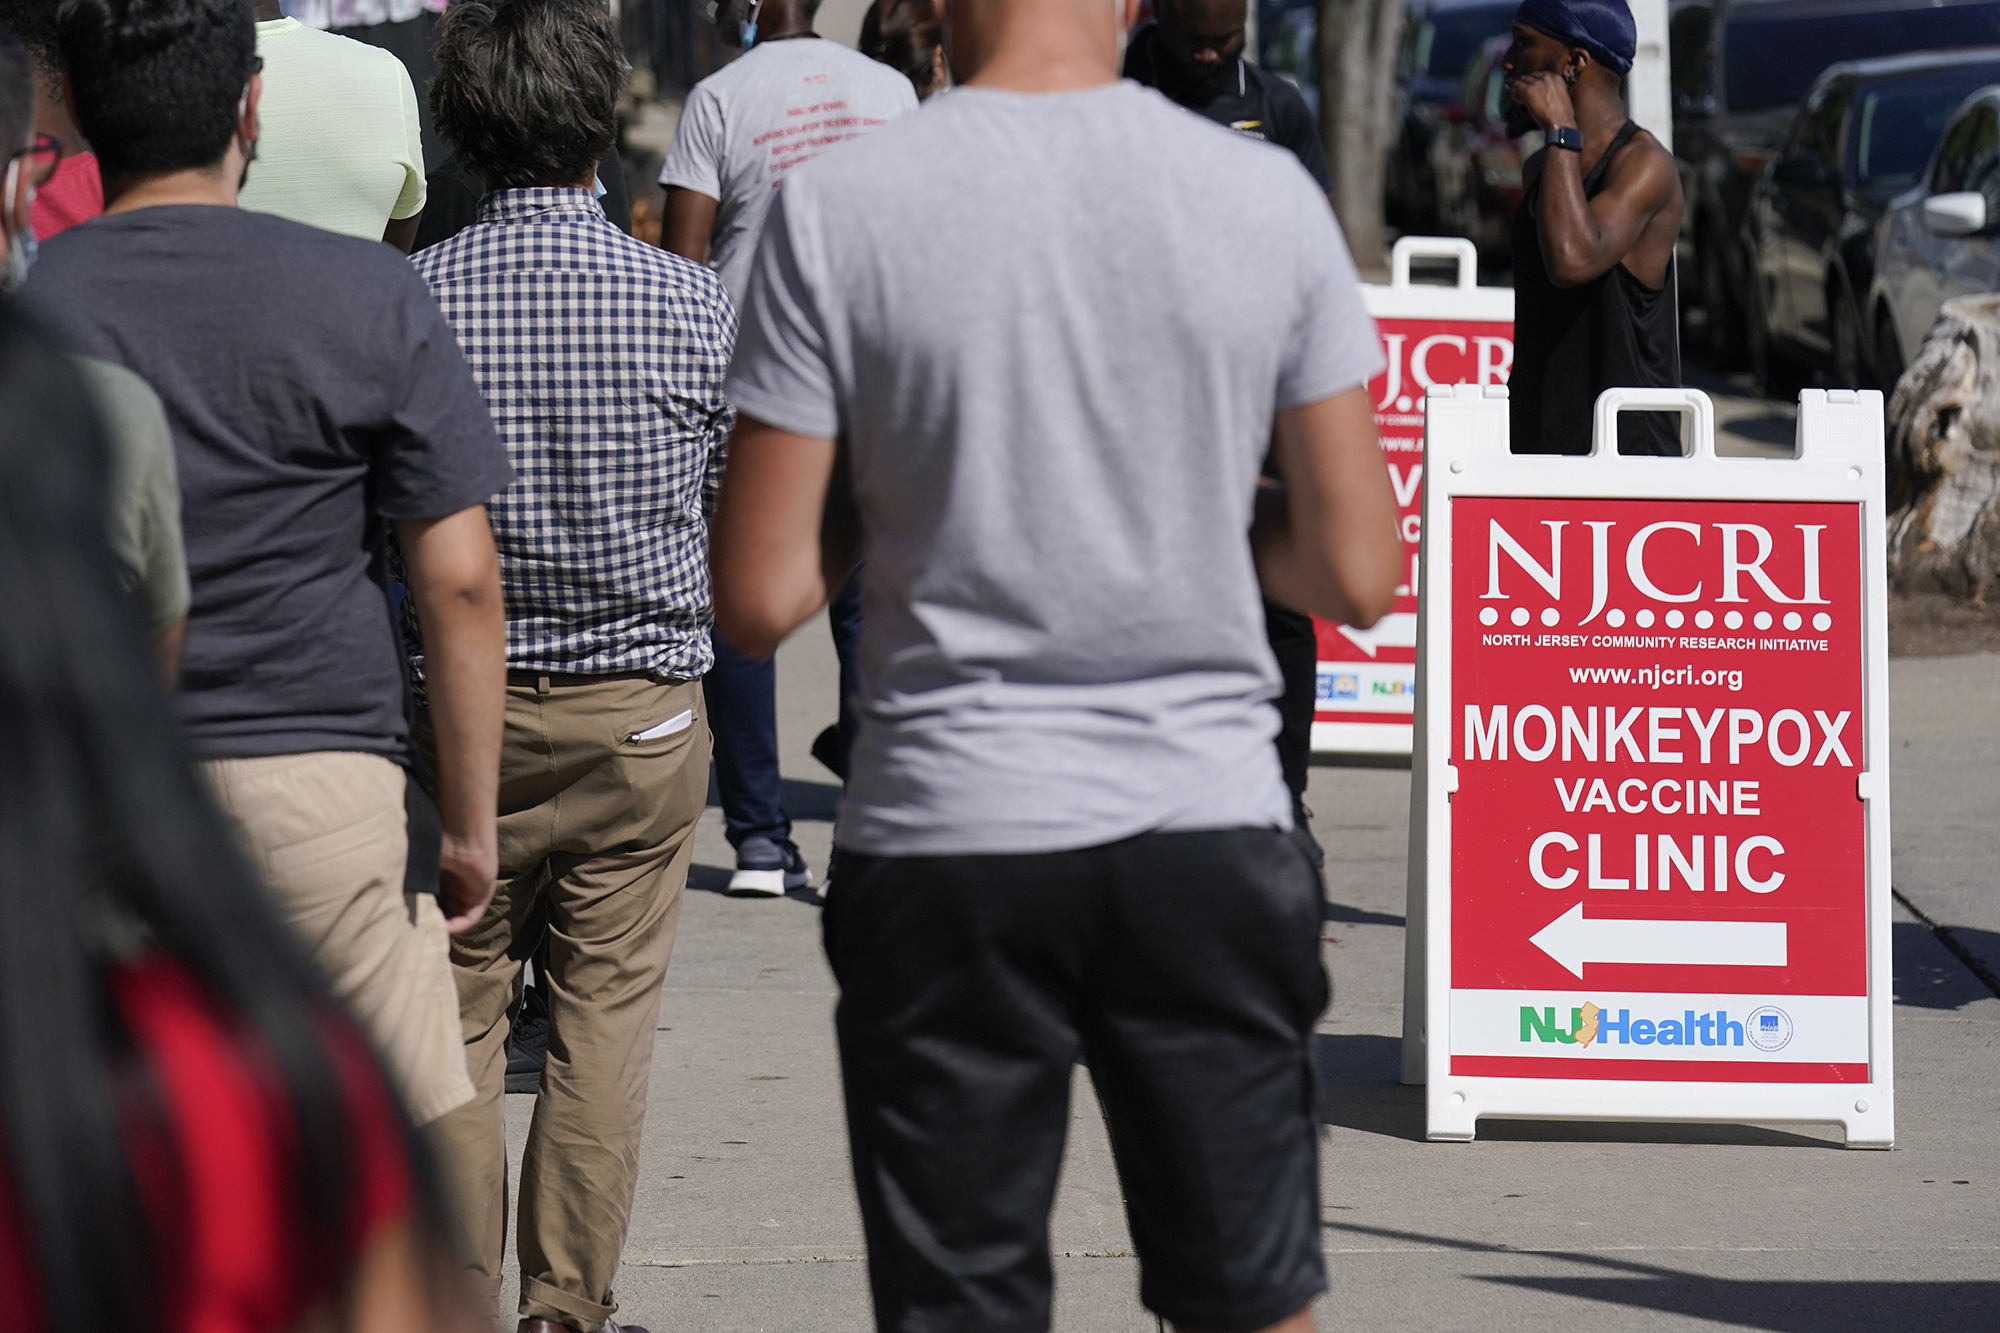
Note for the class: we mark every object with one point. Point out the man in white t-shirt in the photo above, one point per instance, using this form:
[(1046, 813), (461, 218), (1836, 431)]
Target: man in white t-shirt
[(790, 97), (1056, 370), (339, 144)]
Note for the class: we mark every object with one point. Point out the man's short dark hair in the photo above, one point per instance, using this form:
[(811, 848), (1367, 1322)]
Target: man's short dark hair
[(157, 82), (17, 93), (526, 91), (34, 22)]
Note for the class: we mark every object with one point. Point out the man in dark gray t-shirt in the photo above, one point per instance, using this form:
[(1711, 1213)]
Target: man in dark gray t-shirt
[(317, 401), (1056, 370)]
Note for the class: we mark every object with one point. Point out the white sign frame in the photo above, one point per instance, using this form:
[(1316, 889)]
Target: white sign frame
[(1403, 299), (1838, 458), (1466, 299)]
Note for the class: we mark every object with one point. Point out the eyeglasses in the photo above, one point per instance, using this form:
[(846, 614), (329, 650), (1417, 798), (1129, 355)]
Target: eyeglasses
[(43, 155)]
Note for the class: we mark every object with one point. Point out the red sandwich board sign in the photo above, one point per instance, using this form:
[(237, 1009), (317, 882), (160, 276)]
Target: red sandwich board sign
[(1367, 679), (1650, 830)]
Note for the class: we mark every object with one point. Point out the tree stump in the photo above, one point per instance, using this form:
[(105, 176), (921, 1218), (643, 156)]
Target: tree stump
[(1944, 457)]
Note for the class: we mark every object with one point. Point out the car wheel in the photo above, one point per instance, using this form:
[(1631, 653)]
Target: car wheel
[(1850, 369), (1726, 341)]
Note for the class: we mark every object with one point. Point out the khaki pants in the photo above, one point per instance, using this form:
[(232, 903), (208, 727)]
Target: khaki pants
[(596, 835), (328, 832)]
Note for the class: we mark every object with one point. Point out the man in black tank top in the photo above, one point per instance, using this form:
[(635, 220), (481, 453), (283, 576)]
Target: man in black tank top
[(1593, 237)]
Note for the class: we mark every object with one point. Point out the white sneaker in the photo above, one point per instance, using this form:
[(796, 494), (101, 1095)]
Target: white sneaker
[(768, 869)]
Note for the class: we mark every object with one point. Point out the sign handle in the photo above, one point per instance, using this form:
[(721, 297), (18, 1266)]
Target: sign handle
[(1435, 247), (1693, 404)]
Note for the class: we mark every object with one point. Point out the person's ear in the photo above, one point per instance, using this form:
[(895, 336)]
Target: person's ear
[(1579, 60), (246, 123)]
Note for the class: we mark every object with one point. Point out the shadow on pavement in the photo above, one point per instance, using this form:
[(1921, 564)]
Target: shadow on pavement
[(715, 879), (708, 879), (1355, 916), (1360, 1088), (1609, 1131), (1779, 1306), (1785, 1307), (1360, 1085), (1929, 977)]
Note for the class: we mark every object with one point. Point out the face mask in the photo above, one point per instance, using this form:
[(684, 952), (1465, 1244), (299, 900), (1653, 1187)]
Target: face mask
[(21, 249), (1124, 33), (749, 30)]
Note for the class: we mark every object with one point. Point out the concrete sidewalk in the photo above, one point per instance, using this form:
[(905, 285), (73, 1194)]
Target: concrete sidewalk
[(746, 1218)]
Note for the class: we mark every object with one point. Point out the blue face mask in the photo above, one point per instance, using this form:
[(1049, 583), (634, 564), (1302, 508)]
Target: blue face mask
[(20, 256), (748, 33)]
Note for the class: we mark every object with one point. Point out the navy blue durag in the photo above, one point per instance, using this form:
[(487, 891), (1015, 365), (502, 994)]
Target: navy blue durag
[(1602, 27)]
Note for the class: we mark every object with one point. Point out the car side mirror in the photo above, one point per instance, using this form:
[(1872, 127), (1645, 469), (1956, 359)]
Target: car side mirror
[(1961, 213)]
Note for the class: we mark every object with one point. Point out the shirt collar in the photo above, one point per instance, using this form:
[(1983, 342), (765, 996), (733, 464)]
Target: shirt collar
[(534, 201)]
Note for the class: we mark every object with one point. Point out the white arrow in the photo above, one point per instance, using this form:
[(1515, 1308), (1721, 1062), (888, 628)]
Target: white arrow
[(1396, 630), (1573, 941)]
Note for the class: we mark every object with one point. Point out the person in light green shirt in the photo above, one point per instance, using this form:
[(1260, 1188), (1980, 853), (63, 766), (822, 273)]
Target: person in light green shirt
[(145, 515), (338, 140)]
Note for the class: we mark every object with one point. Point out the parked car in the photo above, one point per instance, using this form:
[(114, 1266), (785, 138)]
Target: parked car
[(1740, 69), (1441, 36), (1941, 239), (1863, 135), (1475, 160)]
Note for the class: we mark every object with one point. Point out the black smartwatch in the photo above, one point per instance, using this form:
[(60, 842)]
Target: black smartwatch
[(1566, 136)]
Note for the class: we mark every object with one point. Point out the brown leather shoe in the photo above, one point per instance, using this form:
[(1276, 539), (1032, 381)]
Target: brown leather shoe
[(549, 1326)]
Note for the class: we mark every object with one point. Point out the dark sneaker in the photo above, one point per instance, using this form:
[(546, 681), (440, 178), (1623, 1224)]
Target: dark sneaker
[(768, 869), (528, 1043)]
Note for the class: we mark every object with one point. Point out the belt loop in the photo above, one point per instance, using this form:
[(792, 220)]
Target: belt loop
[(542, 685)]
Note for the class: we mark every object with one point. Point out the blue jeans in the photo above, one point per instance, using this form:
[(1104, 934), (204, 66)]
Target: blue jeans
[(742, 697)]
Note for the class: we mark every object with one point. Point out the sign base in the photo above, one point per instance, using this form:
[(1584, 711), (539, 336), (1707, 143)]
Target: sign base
[(1455, 1105)]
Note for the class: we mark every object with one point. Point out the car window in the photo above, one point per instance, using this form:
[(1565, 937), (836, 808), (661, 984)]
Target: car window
[(1969, 141), (1771, 61), (1448, 39), (1982, 172), (1898, 122), (1819, 125)]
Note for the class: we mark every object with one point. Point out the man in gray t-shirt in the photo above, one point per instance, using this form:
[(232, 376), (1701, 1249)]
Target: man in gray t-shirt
[(1057, 369)]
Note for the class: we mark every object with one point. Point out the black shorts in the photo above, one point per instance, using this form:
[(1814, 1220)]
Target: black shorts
[(1184, 970)]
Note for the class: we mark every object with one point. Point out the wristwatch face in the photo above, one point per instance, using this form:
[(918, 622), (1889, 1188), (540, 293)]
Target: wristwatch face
[(1567, 136)]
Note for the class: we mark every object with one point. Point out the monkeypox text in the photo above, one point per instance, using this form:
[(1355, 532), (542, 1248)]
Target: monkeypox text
[(1701, 862)]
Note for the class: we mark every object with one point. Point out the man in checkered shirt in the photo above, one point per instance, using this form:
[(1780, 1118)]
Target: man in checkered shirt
[(602, 359)]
